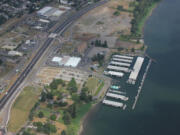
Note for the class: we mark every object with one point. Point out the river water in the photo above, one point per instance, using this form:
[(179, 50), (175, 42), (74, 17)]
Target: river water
[(158, 109)]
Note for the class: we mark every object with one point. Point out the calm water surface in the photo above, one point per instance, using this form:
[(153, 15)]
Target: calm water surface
[(158, 108)]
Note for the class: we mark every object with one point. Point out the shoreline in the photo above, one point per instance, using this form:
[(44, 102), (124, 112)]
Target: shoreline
[(144, 20), (141, 29), (85, 117)]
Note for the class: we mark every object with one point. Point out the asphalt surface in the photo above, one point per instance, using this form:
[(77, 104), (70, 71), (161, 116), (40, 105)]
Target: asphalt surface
[(58, 30)]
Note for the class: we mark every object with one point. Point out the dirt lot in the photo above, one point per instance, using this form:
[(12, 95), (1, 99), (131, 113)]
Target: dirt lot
[(102, 21)]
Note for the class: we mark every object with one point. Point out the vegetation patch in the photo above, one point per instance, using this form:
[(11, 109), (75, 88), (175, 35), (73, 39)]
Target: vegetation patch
[(22, 107)]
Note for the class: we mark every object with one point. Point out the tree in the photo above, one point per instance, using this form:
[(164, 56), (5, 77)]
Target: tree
[(53, 117), (67, 118), (43, 97), (72, 86), (84, 96), (72, 110), (54, 84), (63, 132), (40, 114), (49, 128)]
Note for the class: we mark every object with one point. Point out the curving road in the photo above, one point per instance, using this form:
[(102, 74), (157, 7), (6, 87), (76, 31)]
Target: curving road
[(58, 30)]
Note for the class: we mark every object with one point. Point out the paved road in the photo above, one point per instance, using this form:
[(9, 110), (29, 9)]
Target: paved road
[(58, 30)]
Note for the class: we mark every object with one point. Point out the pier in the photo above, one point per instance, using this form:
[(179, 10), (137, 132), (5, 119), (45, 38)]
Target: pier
[(141, 85)]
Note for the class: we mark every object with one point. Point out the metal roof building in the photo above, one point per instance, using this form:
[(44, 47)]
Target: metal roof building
[(57, 60), (120, 64), (117, 96), (137, 66), (123, 57), (113, 103), (73, 61), (118, 74), (49, 12), (122, 60), (118, 68)]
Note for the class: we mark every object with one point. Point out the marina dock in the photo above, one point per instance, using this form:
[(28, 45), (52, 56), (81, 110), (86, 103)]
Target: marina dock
[(141, 85), (122, 60), (118, 92), (114, 73), (123, 57), (116, 96), (112, 103), (124, 69), (119, 64), (135, 72)]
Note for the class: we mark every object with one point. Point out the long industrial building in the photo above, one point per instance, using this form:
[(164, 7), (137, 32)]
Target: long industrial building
[(123, 57), (117, 68), (137, 66), (122, 60), (120, 64)]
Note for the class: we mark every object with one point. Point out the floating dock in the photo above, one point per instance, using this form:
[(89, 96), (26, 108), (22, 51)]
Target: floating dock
[(134, 73), (117, 68), (123, 57), (112, 103), (112, 95), (122, 60), (120, 64)]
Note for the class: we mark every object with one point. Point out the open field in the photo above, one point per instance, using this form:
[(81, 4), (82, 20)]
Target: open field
[(21, 108), (94, 85)]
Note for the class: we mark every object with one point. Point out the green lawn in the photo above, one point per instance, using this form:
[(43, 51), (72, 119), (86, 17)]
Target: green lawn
[(92, 84), (99, 88), (21, 108)]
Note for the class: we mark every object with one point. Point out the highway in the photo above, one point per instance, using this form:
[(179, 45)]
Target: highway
[(59, 30)]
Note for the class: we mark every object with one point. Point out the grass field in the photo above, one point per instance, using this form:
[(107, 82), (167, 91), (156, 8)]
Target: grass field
[(99, 88), (92, 84), (21, 108)]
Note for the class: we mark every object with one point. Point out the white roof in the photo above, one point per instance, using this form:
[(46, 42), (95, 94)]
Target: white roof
[(44, 10), (58, 13), (136, 68), (123, 57), (15, 53), (118, 68), (119, 74), (120, 63), (43, 20), (122, 60), (117, 96), (113, 103), (73, 61), (56, 59)]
